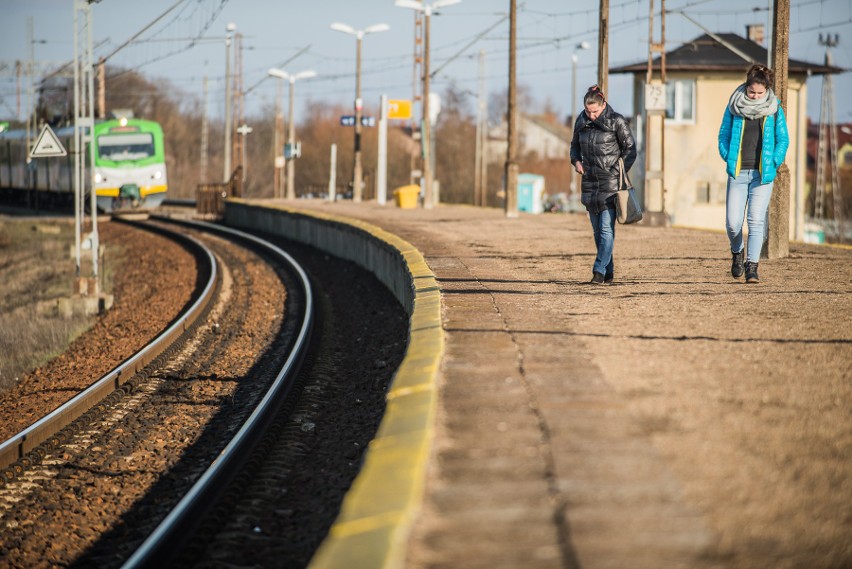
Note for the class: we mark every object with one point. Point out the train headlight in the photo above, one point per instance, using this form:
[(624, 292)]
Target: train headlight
[(157, 175), (98, 178)]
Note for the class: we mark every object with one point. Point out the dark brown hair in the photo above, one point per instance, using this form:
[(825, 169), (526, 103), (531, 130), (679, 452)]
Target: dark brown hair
[(594, 95), (759, 74)]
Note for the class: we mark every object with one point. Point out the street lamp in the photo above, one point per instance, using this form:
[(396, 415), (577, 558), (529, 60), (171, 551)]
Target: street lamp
[(574, 58), (291, 132), (359, 104), (426, 139)]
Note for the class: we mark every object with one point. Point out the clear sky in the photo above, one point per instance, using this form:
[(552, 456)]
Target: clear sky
[(188, 43)]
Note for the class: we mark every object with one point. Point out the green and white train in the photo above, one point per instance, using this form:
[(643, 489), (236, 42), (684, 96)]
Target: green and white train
[(130, 168)]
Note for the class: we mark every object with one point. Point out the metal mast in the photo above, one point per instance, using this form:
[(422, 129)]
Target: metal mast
[(827, 148)]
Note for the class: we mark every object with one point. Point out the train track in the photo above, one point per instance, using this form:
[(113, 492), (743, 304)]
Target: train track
[(303, 460), (70, 438), (31, 444)]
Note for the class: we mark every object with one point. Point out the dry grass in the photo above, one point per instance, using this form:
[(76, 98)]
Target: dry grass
[(35, 268)]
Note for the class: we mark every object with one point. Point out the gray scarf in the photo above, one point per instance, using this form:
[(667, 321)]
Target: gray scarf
[(742, 106)]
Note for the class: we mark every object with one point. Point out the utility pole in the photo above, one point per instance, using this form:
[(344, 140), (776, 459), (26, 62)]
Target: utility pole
[(655, 112), (827, 148), (291, 140), (417, 93), (511, 168), (603, 48), (102, 88), (777, 245), (31, 91), (238, 152), (84, 122), (426, 134), (278, 156), (480, 167), (202, 173), (357, 168), (574, 186), (229, 29)]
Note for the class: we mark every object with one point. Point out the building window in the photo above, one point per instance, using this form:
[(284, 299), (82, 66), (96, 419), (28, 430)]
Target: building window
[(702, 192), (680, 101)]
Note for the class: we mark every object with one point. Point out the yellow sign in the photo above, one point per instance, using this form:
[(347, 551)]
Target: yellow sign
[(399, 109)]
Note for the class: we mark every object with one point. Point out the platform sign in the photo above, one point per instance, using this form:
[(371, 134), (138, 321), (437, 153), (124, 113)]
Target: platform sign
[(292, 150), (399, 109), (47, 145), (349, 120)]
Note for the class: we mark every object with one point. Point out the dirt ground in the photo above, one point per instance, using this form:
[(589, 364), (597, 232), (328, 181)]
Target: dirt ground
[(677, 418)]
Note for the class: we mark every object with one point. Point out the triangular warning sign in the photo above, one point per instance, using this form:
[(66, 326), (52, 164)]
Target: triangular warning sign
[(47, 144)]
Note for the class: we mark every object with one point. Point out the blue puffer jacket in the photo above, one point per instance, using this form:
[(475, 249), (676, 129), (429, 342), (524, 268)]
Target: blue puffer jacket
[(776, 139)]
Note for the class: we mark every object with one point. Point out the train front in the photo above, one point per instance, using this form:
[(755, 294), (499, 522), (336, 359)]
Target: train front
[(130, 167)]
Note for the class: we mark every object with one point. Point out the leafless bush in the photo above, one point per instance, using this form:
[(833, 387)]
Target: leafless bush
[(28, 339)]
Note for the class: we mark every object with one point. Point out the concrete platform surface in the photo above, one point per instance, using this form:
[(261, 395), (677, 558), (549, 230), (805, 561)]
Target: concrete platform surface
[(676, 418)]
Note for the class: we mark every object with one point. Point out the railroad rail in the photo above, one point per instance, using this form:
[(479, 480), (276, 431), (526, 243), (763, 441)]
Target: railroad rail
[(164, 543), (14, 451)]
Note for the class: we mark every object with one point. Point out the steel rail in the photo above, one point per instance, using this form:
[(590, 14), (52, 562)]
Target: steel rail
[(27, 440), (164, 543)]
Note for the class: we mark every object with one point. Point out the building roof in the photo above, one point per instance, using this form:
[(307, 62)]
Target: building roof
[(547, 123), (705, 53)]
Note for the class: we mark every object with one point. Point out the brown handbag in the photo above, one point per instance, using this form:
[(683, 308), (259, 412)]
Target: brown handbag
[(627, 206)]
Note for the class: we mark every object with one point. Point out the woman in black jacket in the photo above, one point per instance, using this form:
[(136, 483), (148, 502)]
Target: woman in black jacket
[(601, 137)]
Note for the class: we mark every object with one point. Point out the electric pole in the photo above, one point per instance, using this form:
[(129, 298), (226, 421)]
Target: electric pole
[(511, 168), (777, 245), (827, 148), (480, 174), (603, 48), (202, 173), (228, 123)]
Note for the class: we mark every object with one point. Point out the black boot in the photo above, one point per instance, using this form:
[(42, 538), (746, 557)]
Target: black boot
[(597, 278), (737, 267), (751, 272)]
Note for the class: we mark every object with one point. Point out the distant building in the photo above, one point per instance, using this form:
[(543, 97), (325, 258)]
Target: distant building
[(701, 75), (539, 134)]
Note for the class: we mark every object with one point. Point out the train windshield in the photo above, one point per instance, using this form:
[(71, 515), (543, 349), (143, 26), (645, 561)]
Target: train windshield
[(122, 147)]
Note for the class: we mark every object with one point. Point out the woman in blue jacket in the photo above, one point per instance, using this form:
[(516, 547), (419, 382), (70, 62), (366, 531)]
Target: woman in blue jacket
[(753, 141)]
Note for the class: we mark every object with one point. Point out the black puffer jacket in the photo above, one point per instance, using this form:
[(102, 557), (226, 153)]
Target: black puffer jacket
[(599, 143)]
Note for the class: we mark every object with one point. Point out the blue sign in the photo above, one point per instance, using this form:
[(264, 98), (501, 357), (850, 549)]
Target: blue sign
[(349, 120)]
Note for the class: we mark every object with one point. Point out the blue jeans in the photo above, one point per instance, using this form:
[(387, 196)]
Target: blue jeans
[(746, 190), (603, 224)]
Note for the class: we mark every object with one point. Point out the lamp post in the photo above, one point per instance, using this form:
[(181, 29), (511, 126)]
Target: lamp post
[(574, 58), (291, 131), (426, 139), (357, 174)]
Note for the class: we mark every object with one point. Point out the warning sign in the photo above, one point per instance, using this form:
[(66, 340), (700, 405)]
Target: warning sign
[(47, 145)]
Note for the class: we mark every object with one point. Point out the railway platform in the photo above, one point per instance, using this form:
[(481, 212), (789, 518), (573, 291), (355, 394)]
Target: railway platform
[(676, 418)]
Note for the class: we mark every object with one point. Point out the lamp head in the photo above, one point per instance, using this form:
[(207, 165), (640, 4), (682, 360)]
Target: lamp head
[(410, 4), (279, 73), (376, 28), (344, 28)]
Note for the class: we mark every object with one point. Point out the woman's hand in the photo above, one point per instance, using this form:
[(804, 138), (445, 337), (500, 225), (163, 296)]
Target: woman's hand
[(578, 166)]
